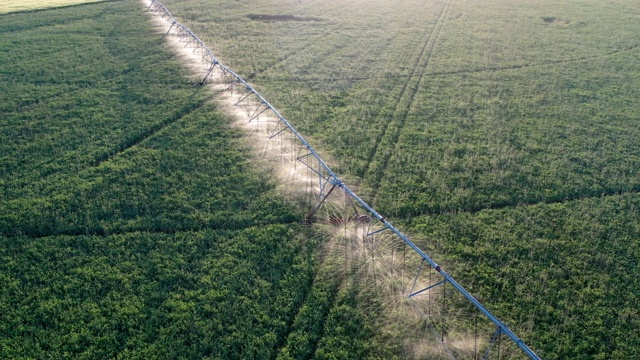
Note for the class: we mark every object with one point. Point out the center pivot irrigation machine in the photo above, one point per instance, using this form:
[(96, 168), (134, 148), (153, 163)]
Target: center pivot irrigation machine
[(327, 184)]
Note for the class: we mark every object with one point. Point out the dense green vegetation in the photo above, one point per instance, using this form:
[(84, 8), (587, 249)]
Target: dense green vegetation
[(502, 134), (25, 5), (568, 271), (458, 107), (132, 221), (209, 293)]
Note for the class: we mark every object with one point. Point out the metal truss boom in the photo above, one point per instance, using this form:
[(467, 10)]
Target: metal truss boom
[(328, 176)]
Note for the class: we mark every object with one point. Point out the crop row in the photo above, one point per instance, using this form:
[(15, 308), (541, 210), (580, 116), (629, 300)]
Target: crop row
[(132, 222), (520, 112), (564, 274)]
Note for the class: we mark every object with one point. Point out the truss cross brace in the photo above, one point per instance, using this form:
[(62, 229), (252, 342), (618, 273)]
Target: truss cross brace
[(494, 337), (277, 130), (315, 209), (427, 288), (378, 231), (211, 67), (411, 293)]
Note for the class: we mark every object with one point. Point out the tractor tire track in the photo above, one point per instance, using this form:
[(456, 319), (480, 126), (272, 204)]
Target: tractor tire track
[(51, 23), (102, 232), (558, 199), (311, 316), (320, 80), (309, 63), (535, 65), (261, 72), (123, 146), (55, 21), (376, 172), (148, 133), (374, 150), (456, 72)]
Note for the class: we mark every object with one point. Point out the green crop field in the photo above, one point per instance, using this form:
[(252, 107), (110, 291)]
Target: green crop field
[(8, 6), (132, 222), (502, 135)]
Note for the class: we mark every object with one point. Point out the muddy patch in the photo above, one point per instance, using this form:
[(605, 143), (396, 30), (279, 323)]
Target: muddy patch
[(555, 20), (277, 18)]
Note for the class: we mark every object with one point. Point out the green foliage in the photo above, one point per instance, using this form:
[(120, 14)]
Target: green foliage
[(445, 112), (112, 139), (344, 324), (188, 176), (132, 224), (217, 294), (454, 108), (565, 274), (308, 327), (349, 330), (75, 93)]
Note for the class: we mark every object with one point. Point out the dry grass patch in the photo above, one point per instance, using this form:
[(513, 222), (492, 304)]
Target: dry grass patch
[(8, 6)]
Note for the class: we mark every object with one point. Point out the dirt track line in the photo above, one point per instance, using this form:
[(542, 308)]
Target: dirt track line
[(401, 111), (384, 46), (44, 101), (283, 59), (286, 57), (526, 66), (128, 143), (37, 26), (455, 72), (333, 289), (58, 22), (374, 150), (513, 204), (148, 133), (100, 232), (282, 341), (314, 59)]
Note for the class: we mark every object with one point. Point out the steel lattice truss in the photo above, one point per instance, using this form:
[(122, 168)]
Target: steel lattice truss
[(328, 184)]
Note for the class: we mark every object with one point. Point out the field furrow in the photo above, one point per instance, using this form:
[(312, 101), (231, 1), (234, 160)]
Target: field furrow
[(23, 23), (279, 62), (510, 158), (309, 324), (479, 149), (525, 66), (86, 99), (9, 6), (148, 133), (158, 236), (502, 135), (379, 158), (127, 230)]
